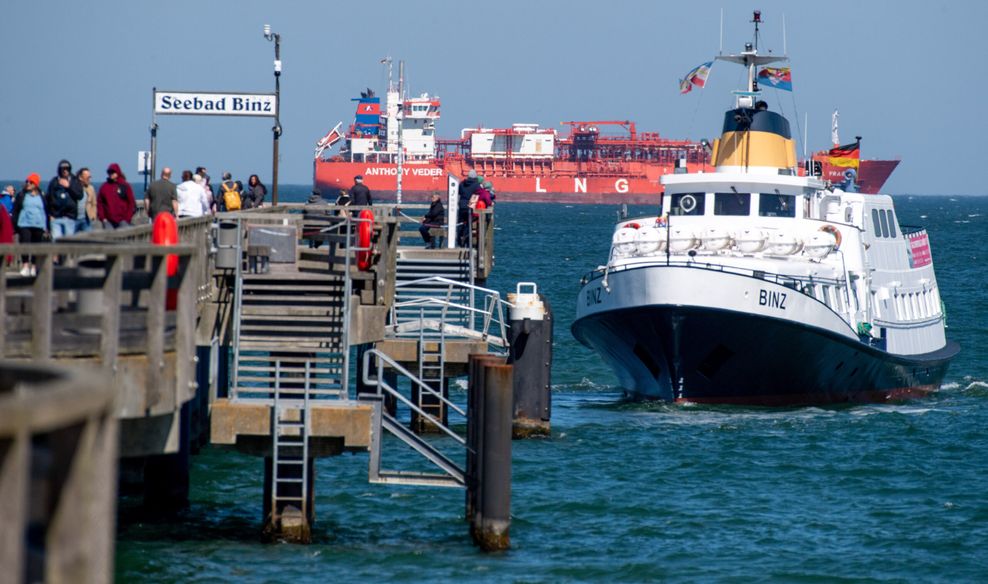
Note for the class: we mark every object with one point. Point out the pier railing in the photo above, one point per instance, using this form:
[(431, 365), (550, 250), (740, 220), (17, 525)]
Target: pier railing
[(105, 301), (58, 473), (194, 231)]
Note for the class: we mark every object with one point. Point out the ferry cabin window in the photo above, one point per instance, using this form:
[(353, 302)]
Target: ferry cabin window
[(883, 217), (732, 203), (875, 222), (771, 205), (687, 204), (892, 223)]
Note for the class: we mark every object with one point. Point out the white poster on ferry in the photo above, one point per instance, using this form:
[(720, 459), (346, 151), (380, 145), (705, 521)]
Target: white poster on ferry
[(214, 103)]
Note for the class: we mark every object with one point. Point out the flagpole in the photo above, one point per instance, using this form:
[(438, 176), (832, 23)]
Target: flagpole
[(785, 51), (721, 31), (806, 132)]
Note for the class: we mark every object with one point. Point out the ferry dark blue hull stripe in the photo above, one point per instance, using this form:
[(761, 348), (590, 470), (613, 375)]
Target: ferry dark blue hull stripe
[(709, 355)]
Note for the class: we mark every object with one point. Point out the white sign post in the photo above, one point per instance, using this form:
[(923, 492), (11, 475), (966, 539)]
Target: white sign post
[(452, 209), (144, 161)]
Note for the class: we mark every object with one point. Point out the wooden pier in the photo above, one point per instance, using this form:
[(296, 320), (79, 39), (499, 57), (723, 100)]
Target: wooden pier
[(243, 334)]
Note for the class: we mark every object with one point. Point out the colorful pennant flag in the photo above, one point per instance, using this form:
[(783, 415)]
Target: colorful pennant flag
[(777, 77), (698, 76)]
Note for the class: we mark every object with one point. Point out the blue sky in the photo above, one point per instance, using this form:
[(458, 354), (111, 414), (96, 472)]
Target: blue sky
[(76, 77)]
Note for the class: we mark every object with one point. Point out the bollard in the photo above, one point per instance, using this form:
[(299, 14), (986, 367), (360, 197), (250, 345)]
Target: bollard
[(227, 246), (531, 355), (90, 300), (491, 529)]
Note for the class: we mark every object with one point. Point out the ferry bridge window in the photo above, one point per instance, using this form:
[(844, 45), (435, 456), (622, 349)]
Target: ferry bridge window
[(770, 205), (732, 203), (875, 222), (883, 217), (892, 223), (687, 204)]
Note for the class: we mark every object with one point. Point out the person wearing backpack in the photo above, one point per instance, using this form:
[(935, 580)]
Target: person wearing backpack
[(231, 197)]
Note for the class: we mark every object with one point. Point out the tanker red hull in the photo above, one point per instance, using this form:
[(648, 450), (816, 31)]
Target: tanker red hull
[(633, 183)]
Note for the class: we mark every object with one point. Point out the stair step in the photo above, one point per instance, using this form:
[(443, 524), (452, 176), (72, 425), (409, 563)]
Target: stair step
[(274, 342), (329, 309), (293, 370)]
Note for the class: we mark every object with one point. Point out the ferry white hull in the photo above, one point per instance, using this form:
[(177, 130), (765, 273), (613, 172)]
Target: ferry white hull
[(691, 334)]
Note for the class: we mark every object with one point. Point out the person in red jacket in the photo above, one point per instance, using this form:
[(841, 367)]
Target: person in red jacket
[(115, 203)]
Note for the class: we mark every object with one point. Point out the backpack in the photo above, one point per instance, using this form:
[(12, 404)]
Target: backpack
[(231, 197)]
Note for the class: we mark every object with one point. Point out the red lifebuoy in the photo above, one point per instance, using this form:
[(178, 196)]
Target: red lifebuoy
[(364, 231), (835, 232), (633, 225), (164, 231)]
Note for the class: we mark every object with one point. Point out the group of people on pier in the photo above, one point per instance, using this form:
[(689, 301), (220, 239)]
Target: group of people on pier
[(70, 202), (474, 192), (196, 196)]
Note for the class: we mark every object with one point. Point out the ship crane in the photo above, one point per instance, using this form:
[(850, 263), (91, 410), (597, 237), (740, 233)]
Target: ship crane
[(581, 127)]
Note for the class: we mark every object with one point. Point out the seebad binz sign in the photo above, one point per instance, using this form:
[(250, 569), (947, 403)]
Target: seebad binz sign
[(214, 104)]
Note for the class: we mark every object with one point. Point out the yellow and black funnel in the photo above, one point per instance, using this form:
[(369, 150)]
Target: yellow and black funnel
[(754, 138)]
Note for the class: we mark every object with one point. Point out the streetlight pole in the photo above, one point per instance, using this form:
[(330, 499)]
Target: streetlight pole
[(276, 130)]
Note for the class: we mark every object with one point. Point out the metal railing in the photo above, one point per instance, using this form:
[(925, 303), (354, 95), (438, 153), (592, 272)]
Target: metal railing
[(453, 471), (491, 315)]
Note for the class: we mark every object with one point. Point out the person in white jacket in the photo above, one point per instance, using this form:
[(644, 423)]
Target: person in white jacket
[(192, 198)]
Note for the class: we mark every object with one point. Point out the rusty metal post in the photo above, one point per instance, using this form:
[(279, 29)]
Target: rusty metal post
[(491, 531), (475, 416), (531, 355)]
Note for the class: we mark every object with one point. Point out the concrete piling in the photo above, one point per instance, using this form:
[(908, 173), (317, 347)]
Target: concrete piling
[(531, 355), (290, 522)]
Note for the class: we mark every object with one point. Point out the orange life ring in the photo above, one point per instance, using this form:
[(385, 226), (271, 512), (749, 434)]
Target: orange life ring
[(835, 232), (164, 231), (364, 231)]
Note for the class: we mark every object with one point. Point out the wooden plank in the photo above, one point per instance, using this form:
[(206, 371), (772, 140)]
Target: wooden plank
[(110, 329), (41, 310), (3, 307), (185, 332), (156, 333)]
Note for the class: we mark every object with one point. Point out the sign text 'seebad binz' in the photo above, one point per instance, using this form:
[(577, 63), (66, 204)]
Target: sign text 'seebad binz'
[(215, 104)]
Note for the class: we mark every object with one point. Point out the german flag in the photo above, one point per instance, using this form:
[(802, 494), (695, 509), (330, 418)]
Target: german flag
[(847, 156)]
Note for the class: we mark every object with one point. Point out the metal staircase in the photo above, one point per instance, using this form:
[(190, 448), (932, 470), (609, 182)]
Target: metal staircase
[(296, 319), (452, 472)]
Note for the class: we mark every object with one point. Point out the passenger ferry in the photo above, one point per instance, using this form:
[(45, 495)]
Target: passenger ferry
[(759, 286)]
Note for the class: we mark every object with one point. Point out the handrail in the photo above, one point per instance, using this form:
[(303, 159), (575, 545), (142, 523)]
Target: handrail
[(39, 396), (380, 384), (492, 302), (779, 279)]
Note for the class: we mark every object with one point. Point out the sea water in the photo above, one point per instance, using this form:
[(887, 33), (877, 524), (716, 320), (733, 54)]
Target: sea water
[(644, 491)]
